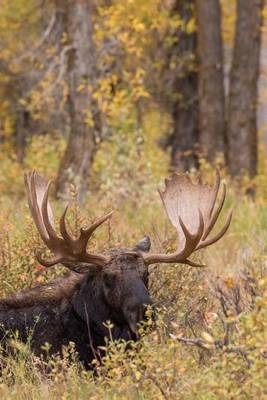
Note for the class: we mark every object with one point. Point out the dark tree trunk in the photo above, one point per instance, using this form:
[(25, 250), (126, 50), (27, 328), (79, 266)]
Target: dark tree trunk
[(210, 78), (77, 160), (14, 90), (20, 85), (22, 131), (242, 112), (185, 108)]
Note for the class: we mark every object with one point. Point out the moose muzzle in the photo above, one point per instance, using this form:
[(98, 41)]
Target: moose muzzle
[(135, 307)]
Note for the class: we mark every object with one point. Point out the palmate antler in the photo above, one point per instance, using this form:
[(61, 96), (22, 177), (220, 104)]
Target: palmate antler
[(191, 210), (65, 249)]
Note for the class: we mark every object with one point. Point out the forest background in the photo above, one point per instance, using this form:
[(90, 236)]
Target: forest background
[(107, 97)]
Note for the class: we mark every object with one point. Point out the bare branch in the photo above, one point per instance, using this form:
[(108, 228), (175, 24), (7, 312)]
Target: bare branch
[(193, 342), (62, 66), (41, 42)]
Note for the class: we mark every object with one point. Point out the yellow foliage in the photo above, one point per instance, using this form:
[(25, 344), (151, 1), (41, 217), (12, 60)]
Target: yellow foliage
[(228, 21), (128, 168)]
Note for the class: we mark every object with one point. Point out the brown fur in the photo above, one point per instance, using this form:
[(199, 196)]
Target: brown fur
[(75, 307), (54, 291)]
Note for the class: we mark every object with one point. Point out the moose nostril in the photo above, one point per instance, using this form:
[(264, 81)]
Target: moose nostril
[(134, 315), (136, 312), (139, 312)]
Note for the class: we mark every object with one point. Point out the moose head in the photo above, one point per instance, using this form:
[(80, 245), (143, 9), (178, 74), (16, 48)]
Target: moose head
[(121, 275)]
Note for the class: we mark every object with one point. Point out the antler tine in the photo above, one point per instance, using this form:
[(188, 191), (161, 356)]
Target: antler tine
[(85, 234), (216, 190), (219, 235), (33, 204), (47, 263), (50, 230), (216, 213), (184, 202), (63, 229), (70, 252), (191, 240)]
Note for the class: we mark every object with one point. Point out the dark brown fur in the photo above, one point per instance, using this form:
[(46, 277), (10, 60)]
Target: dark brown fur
[(74, 308), (57, 290)]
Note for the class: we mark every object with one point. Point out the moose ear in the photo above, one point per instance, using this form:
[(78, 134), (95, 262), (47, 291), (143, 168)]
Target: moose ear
[(144, 244)]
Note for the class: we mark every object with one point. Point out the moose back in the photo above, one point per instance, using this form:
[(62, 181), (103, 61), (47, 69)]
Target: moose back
[(112, 286)]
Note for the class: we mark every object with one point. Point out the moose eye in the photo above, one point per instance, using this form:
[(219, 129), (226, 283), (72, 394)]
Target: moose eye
[(109, 280)]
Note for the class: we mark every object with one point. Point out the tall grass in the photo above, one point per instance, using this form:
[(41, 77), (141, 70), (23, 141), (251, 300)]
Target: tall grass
[(210, 338)]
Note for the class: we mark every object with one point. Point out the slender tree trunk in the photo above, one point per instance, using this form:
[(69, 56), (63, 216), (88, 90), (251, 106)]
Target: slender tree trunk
[(184, 139), (242, 112), (210, 78), (22, 131), (77, 160)]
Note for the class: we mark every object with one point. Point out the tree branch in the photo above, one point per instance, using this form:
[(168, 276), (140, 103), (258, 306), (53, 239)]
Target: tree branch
[(41, 42)]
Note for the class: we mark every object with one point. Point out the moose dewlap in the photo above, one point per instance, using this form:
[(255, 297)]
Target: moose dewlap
[(112, 286)]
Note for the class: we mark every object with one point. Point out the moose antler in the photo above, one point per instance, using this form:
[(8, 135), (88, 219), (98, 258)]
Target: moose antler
[(191, 210), (65, 249)]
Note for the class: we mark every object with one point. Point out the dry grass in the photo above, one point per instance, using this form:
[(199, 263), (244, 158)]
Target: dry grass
[(211, 329)]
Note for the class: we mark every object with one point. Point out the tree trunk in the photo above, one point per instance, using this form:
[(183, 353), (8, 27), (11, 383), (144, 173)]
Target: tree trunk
[(210, 79), (77, 161), (184, 139), (242, 112)]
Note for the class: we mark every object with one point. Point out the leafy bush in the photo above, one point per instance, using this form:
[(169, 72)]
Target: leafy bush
[(210, 337)]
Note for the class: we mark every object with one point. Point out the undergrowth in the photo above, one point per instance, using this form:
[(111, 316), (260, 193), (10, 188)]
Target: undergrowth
[(211, 331)]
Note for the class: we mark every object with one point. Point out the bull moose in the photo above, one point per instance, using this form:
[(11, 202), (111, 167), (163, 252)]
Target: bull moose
[(100, 287)]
